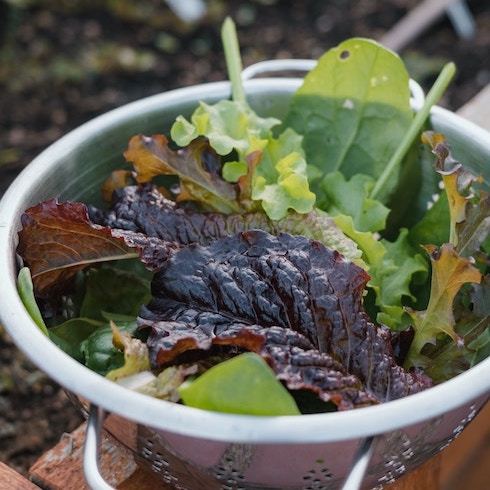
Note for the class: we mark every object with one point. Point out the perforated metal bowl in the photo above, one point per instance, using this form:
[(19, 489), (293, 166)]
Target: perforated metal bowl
[(195, 449)]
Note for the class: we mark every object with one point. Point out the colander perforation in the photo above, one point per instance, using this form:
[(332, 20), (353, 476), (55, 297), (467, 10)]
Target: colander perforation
[(232, 466), (160, 464), (318, 478)]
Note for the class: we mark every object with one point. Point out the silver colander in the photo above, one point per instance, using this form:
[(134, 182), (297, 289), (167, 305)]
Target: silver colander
[(195, 449)]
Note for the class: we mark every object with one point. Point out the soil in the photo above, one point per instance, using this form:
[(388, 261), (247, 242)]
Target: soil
[(64, 62)]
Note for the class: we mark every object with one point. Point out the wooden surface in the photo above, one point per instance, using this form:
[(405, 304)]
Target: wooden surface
[(477, 109), (417, 20), (11, 480)]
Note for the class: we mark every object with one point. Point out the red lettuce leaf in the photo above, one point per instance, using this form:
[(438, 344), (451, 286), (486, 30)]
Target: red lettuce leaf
[(239, 287), (58, 240), (197, 165)]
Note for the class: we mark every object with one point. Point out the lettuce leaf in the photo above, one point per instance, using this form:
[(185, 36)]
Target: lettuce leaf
[(267, 169), (78, 243), (445, 358), (293, 301), (392, 267), (449, 273), (453, 332)]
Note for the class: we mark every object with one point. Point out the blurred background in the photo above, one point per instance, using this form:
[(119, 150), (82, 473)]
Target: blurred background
[(63, 62)]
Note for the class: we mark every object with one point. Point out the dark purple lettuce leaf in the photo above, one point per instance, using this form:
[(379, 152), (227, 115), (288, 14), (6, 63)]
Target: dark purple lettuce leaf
[(143, 209), (233, 291)]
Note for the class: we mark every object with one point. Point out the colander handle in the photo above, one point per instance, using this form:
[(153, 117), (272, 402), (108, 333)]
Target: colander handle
[(359, 465), (305, 65), (274, 66), (91, 470)]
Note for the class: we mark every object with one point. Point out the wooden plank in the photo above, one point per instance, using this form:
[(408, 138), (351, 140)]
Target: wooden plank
[(477, 109), (62, 466), (426, 477), (11, 480), (418, 19), (464, 458)]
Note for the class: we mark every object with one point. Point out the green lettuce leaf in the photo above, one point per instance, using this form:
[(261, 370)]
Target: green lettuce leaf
[(351, 197), (110, 291), (433, 228), (278, 176), (267, 169), (229, 125), (392, 267)]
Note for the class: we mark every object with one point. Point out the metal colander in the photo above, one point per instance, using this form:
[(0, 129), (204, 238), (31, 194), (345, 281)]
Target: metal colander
[(195, 449)]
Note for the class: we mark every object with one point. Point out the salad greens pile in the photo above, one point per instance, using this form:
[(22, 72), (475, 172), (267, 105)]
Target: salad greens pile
[(322, 262)]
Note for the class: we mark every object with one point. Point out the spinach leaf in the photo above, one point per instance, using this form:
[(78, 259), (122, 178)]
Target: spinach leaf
[(99, 352), (344, 106), (250, 387)]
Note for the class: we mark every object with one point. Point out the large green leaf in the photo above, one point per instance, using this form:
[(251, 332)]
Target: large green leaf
[(345, 105)]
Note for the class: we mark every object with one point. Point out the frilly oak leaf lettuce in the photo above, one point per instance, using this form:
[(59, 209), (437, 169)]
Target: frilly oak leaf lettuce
[(449, 273), (451, 335), (197, 166), (445, 358), (244, 290), (469, 212)]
